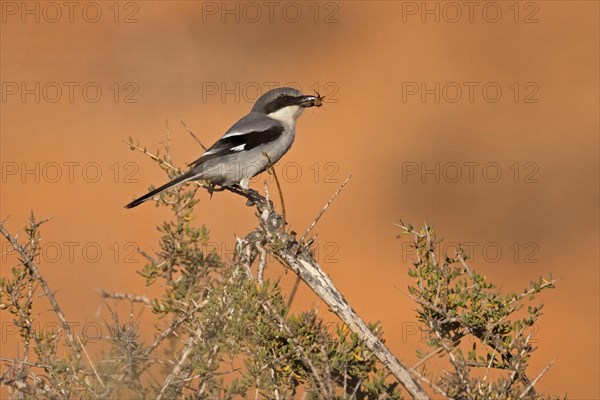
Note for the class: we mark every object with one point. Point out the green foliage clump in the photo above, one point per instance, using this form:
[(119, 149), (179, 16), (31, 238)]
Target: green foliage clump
[(467, 319)]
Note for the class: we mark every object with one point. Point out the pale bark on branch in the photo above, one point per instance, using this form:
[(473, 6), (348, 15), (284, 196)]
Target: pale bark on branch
[(298, 258)]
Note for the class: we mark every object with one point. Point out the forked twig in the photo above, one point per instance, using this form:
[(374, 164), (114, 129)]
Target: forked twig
[(192, 133), (272, 170), (154, 157), (535, 380), (293, 291), (301, 241), (174, 325), (428, 381), (318, 217), (87, 356), (177, 367)]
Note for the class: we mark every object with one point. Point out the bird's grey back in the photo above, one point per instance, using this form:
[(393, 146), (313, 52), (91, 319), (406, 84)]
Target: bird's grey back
[(251, 122)]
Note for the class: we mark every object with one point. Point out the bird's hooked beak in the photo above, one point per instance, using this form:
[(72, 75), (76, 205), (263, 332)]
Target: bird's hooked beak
[(311, 101)]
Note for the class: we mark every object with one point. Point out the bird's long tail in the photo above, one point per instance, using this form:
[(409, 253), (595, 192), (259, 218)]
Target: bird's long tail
[(189, 175)]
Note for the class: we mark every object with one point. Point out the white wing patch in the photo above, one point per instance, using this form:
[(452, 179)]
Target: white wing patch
[(239, 148), (234, 133)]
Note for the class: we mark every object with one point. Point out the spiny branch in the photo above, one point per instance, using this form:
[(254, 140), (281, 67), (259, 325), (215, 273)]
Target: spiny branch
[(295, 256), (33, 268)]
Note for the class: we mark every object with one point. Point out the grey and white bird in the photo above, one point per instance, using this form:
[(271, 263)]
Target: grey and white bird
[(248, 148)]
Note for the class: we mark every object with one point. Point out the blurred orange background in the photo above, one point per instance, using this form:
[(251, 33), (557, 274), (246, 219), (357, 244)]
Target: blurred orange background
[(481, 119)]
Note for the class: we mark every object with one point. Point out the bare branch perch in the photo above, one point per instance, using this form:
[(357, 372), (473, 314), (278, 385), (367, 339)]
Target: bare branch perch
[(311, 273), (297, 257)]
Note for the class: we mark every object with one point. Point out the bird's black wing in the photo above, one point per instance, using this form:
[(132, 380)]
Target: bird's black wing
[(250, 132)]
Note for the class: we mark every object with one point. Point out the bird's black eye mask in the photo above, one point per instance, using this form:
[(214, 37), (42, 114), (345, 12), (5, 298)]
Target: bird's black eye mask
[(287, 100), (280, 102)]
